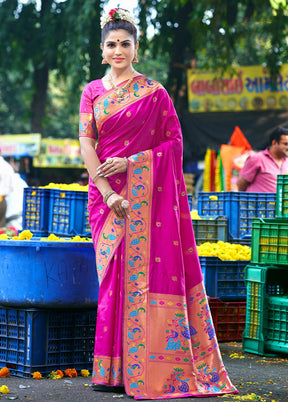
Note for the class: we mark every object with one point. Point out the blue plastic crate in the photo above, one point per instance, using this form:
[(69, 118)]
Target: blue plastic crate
[(190, 201), (42, 274), (36, 210), (68, 213), (46, 340), (239, 207), (224, 279)]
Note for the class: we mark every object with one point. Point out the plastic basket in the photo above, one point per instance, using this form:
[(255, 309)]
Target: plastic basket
[(210, 229), (36, 210), (270, 241), (276, 324), (48, 274), (45, 340), (282, 196), (239, 207), (68, 213), (228, 319), (190, 201), (262, 283), (224, 279)]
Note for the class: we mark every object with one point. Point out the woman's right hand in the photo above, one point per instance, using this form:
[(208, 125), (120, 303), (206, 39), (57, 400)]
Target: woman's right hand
[(114, 203)]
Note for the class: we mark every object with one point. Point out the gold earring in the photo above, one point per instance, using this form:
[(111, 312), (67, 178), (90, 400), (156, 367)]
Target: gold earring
[(135, 60), (104, 61)]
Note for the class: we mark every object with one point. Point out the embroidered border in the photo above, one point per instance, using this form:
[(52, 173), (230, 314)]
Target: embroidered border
[(109, 239), (107, 105), (107, 370), (137, 260)]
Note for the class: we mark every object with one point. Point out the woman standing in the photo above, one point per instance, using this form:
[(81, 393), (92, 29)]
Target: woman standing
[(154, 331)]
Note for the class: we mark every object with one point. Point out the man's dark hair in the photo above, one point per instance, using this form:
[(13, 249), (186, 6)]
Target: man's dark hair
[(276, 134)]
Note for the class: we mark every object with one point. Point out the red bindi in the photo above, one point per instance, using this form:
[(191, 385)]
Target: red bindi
[(118, 40)]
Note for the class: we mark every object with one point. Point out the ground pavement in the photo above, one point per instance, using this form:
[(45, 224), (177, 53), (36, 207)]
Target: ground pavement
[(257, 378)]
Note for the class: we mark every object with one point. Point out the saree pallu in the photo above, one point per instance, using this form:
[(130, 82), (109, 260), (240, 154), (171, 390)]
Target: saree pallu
[(154, 330)]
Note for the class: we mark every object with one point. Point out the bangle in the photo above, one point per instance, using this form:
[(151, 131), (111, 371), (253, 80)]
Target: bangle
[(94, 178), (107, 195)]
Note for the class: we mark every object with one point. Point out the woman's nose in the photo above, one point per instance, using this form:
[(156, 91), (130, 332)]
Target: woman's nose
[(118, 49)]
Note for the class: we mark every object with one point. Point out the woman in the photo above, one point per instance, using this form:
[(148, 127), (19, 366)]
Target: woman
[(154, 331)]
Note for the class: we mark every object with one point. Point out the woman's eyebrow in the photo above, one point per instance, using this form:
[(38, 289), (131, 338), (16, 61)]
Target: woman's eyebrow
[(112, 42)]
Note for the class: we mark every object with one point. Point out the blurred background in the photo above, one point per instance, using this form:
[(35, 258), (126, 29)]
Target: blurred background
[(50, 49)]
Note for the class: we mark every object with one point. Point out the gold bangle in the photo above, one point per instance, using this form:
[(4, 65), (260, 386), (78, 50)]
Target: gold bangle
[(107, 195), (95, 177)]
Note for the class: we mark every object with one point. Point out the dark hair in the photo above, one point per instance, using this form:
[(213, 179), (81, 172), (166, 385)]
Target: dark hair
[(276, 134), (119, 24)]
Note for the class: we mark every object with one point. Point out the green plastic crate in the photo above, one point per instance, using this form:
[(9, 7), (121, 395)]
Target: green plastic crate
[(210, 229), (282, 196), (269, 241), (276, 324), (262, 282)]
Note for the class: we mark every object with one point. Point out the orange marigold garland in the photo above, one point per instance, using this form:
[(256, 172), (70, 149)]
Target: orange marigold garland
[(37, 375), (4, 372), (70, 373)]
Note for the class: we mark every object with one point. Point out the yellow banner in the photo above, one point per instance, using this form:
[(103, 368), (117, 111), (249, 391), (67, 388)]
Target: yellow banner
[(20, 144), (59, 153), (249, 89)]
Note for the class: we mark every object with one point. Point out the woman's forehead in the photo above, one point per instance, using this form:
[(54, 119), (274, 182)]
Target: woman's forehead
[(118, 36)]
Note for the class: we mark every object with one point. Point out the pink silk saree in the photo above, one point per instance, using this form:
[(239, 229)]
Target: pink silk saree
[(154, 331)]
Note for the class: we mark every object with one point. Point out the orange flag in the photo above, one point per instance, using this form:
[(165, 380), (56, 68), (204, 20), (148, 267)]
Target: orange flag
[(238, 139)]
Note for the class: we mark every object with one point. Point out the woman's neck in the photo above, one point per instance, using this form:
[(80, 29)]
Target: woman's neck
[(121, 75)]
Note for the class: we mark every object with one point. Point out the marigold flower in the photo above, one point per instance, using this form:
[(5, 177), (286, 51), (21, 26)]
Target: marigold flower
[(4, 389), (4, 372), (59, 372), (85, 373), (4, 236), (25, 235), (70, 373), (37, 375)]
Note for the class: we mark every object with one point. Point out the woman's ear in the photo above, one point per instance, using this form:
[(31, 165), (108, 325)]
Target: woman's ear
[(101, 46)]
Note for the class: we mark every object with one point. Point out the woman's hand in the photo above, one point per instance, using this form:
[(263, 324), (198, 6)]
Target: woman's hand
[(115, 202), (112, 166)]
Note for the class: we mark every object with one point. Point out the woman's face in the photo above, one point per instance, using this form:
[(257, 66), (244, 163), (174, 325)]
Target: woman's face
[(119, 49)]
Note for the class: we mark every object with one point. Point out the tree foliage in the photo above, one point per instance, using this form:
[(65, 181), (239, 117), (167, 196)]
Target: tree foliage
[(217, 35), (49, 53)]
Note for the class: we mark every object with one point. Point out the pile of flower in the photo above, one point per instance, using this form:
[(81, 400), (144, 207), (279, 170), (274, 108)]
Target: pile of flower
[(27, 235), (57, 375), (9, 231), (225, 251), (67, 187), (4, 373)]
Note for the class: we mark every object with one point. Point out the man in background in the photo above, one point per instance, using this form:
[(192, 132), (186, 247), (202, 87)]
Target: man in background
[(6, 187), (260, 171), (14, 200)]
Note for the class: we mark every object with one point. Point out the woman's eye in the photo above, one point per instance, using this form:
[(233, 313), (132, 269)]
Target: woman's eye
[(126, 44), (110, 45)]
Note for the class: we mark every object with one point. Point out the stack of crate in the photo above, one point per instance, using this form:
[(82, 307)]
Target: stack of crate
[(49, 289), (227, 216), (58, 211), (239, 208), (266, 329), (225, 287)]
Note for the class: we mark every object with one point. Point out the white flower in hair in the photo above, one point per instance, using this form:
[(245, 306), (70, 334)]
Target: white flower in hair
[(117, 14)]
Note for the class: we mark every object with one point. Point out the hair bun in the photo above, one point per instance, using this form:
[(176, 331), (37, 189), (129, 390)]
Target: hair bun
[(117, 14)]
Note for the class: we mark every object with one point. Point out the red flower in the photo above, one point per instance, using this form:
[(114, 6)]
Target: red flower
[(112, 12)]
